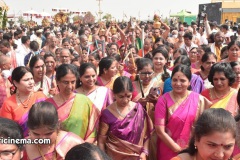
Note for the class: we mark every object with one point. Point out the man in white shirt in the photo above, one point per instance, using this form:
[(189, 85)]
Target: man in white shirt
[(23, 50), (188, 44)]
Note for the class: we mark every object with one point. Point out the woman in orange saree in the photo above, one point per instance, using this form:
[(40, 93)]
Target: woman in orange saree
[(16, 107)]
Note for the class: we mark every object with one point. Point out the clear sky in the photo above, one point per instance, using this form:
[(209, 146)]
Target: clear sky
[(138, 8)]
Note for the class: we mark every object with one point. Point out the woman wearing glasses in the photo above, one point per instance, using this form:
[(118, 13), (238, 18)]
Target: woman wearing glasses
[(76, 112), (144, 83), (193, 58), (179, 107)]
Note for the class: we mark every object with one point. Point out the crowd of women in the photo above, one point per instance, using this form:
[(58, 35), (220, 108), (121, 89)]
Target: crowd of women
[(162, 102)]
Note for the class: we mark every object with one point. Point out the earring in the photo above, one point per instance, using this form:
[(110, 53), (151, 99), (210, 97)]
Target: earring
[(195, 147)]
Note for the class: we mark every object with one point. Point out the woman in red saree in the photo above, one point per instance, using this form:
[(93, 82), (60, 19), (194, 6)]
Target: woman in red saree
[(180, 108), (125, 127)]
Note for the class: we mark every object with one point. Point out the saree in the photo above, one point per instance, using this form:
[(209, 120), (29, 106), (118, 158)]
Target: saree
[(46, 85), (126, 137), (101, 97), (206, 83), (227, 102), (66, 142), (150, 109), (109, 84), (11, 110), (78, 115), (186, 112), (136, 94)]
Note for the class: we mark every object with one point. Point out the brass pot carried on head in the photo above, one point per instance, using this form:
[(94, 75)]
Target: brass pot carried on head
[(156, 23), (102, 30), (113, 29)]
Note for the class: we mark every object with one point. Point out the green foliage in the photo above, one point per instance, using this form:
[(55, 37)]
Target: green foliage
[(1, 17), (21, 20), (166, 21), (5, 19), (107, 17)]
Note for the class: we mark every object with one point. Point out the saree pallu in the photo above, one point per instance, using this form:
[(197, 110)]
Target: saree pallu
[(68, 141), (126, 137), (78, 115), (18, 113), (228, 102), (101, 97), (136, 94), (46, 86), (109, 84), (178, 124)]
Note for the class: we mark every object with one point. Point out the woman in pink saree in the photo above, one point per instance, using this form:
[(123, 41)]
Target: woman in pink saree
[(43, 123), (125, 127), (175, 114)]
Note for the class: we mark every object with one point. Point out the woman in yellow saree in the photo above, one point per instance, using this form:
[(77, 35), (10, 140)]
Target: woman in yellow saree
[(222, 95)]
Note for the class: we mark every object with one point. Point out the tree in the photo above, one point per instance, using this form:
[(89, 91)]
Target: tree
[(89, 18), (107, 17), (166, 21), (5, 19), (21, 20)]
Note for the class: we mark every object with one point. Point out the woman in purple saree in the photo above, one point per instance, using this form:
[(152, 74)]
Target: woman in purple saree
[(125, 127), (175, 114)]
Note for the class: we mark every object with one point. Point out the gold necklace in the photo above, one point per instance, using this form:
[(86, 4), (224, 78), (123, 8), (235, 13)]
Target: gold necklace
[(43, 156), (28, 99), (120, 114), (181, 99), (220, 95), (105, 82), (63, 99)]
